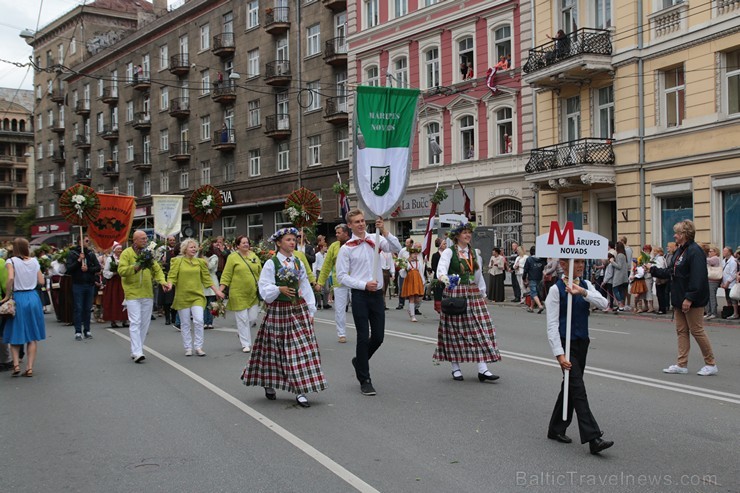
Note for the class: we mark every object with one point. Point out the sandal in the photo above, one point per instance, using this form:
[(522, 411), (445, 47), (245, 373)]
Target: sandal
[(28, 373), (16, 371)]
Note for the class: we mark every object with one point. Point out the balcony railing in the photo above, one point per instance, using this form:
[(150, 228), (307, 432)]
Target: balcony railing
[(335, 51), (110, 95), (335, 5), (82, 141), (141, 81), (59, 157), (142, 121), (223, 92), (278, 72), (278, 126), (82, 107), (109, 132), (581, 42), (223, 44), (56, 96), (142, 161), (180, 107), (588, 151), (277, 19), (57, 126), (84, 176), (111, 169), (224, 139), (180, 151), (180, 64), (335, 110)]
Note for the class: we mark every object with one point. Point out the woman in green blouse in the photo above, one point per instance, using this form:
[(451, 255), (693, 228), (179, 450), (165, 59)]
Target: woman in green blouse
[(241, 273), (190, 274)]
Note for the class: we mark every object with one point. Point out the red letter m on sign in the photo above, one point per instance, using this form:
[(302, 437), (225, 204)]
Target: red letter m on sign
[(567, 230)]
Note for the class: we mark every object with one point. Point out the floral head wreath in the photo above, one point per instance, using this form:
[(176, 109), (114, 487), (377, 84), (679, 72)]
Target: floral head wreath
[(282, 232), (415, 249), (455, 232)]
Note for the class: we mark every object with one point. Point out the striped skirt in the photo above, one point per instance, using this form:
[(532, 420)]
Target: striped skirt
[(285, 354), (467, 338)]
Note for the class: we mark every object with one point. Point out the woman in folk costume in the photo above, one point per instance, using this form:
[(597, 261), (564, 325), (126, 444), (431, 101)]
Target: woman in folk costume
[(285, 354), (113, 291), (413, 284), (470, 337)]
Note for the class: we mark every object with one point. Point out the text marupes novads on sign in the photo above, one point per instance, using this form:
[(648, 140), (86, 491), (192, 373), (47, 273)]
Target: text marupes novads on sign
[(569, 242)]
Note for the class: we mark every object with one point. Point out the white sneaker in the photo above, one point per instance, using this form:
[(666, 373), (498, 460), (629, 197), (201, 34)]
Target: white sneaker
[(710, 316), (708, 370), (188, 352), (246, 349), (675, 369)]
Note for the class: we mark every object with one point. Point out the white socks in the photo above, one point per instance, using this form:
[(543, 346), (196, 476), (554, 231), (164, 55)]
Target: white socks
[(412, 309), (455, 366), (482, 367)]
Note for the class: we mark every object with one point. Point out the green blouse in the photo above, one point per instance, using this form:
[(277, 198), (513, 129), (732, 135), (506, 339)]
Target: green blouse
[(241, 275), (190, 276)]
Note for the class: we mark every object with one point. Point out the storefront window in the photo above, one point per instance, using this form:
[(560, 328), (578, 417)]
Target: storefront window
[(731, 219), (574, 211), (673, 210)]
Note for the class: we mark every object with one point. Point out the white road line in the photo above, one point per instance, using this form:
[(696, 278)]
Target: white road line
[(601, 372), (300, 444), (610, 331)]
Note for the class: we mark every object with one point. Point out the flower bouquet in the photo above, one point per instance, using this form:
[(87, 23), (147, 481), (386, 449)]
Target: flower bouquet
[(263, 252), (218, 308), (290, 277), (401, 263), (146, 258), (450, 281), (303, 207), (113, 267), (61, 256), (44, 263), (205, 204), (438, 196)]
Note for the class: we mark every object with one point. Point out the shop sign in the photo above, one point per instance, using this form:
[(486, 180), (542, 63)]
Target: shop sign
[(227, 197), (418, 204)]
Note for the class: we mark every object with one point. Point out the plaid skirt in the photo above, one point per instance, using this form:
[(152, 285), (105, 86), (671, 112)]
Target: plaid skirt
[(467, 338), (285, 354)]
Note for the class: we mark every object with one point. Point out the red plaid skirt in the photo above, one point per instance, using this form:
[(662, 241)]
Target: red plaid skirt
[(467, 338), (285, 354)]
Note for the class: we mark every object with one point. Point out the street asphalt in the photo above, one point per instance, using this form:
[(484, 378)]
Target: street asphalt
[(91, 420)]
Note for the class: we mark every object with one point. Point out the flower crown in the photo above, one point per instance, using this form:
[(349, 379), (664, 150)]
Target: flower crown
[(282, 232), (455, 232), (414, 249)]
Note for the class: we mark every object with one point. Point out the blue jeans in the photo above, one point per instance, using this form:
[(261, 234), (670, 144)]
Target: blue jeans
[(619, 292), (533, 289), (83, 295), (368, 313), (207, 316)]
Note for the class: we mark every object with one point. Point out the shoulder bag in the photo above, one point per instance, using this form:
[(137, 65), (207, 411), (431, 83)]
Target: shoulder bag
[(256, 284), (454, 306), (714, 272), (734, 292)]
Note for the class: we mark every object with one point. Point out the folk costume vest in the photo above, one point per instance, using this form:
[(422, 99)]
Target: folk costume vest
[(465, 268), (579, 316)]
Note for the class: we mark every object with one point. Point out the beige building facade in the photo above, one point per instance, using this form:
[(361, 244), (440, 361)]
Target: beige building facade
[(635, 116), (16, 160)]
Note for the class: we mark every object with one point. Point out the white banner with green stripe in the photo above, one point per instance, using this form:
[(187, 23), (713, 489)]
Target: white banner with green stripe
[(385, 128)]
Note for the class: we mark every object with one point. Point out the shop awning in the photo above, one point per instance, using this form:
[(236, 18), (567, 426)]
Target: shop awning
[(43, 238)]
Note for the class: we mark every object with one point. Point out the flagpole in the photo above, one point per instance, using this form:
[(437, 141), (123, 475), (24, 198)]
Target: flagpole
[(377, 254), (569, 315)]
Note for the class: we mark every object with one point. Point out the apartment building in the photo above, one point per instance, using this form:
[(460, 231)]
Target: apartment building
[(16, 159), (467, 130), (250, 97), (636, 117)]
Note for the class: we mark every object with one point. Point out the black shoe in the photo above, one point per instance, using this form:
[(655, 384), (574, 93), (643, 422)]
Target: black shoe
[(514, 300), (487, 378), (386, 308), (88, 335), (139, 359), (154, 318), (542, 308), (302, 401), (125, 324), (78, 336), (399, 307), (167, 321), (560, 437), (458, 377), (597, 445), (417, 312), (367, 388), (270, 393), (113, 325)]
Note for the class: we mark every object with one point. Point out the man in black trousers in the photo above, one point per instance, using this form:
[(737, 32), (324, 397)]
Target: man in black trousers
[(585, 295), (83, 267)]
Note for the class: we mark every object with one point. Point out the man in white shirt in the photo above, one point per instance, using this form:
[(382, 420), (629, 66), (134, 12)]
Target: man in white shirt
[(389, 271), (355, 271)]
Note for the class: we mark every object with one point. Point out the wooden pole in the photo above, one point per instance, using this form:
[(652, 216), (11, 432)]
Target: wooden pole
[(569, 316)]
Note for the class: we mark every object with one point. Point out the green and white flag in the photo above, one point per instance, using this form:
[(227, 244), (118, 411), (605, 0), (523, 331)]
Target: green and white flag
[(385, 126)]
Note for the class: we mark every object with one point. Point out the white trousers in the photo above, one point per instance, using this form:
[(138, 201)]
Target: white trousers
[(244, 321), (197, 314), (341, 299), (139, 318)]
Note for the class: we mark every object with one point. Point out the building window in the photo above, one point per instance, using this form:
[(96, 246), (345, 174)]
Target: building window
[(205, 127), (282, 220), (229, 171), (314, 92), (672, 210), (51, 178), (164, 98), (314, 150), (101, 159), (372, 76), (371, 13), (343, 144), (129, 151), (164, 58), (731, 216), (603, 14), (40, 211), (433, 135), (283, 156), (313, 38), (504, 128), (129, 111), (401, 72), (401, 7), (502, 46), (184, 178), (73, 45), (573, 118), (465, 55), (574, 211), (673, 96), (164, 140), (253, 62), (254, 227), (467, 137), (205, 173), (130, 190), (147, 184), (164, 181), (205, 82), (732, 76), (228, 226), (39, 180), (52, 208), (40, 151), (39, 122), (431, 60), (205, 37), (254, 162), (253, 19), (606, 112), (253, 113)]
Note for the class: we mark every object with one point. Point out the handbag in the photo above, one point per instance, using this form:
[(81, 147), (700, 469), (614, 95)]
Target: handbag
[(714, 272), (454, 306), (8, 308), (734, 292), (259, 296)]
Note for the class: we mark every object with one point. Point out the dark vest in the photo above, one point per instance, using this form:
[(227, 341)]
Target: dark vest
[(461, 268), (278, 282), (579, 317)]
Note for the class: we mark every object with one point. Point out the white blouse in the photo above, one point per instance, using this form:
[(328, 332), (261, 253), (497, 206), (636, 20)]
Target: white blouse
[(463, 253), (270, 291)]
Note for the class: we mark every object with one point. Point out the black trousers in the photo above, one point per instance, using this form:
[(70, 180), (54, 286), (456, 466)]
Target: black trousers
[(577, 398), (368, 313), (515, 286)]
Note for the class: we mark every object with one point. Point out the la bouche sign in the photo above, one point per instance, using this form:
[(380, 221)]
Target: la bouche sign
[(571, 243)]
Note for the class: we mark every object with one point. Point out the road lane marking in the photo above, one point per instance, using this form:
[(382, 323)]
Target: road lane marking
[(297, 442), (610, 331)]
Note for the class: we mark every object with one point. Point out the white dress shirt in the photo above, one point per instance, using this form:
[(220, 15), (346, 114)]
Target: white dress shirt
[(355, 263), (270, 291), (386, 262), (463, 253), (552, 303)]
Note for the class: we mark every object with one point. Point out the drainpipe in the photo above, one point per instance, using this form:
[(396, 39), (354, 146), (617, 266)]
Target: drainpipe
[(534, 122), (300, 86), (641, 118)]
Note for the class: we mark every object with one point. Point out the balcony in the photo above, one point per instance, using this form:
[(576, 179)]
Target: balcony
[(335, 111), (59, 190), (84, 176), (142, 121), (109, 133), (180, 108), (180, 151), (56, 96), (11, 211), (7, 185), (111, 169), (223, 45), (277, 20), (180, 64), (143, 161), (277, 126), (223, 92), (578, 57), (335, 51), (57, 127), (277, 73), (224, 140), (578, 164), (82, 107), (335, 5), (59, 157), (82, 142), (11, 161), (110, 95), (141, 82)]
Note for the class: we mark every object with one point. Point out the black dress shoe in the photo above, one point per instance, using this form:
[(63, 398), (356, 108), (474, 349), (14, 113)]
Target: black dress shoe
[(597, 445), (458, 377), (560, 437), (327, 307), (399, 307), (487, 378), (270, 393), (302, 401), (417, 312)]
